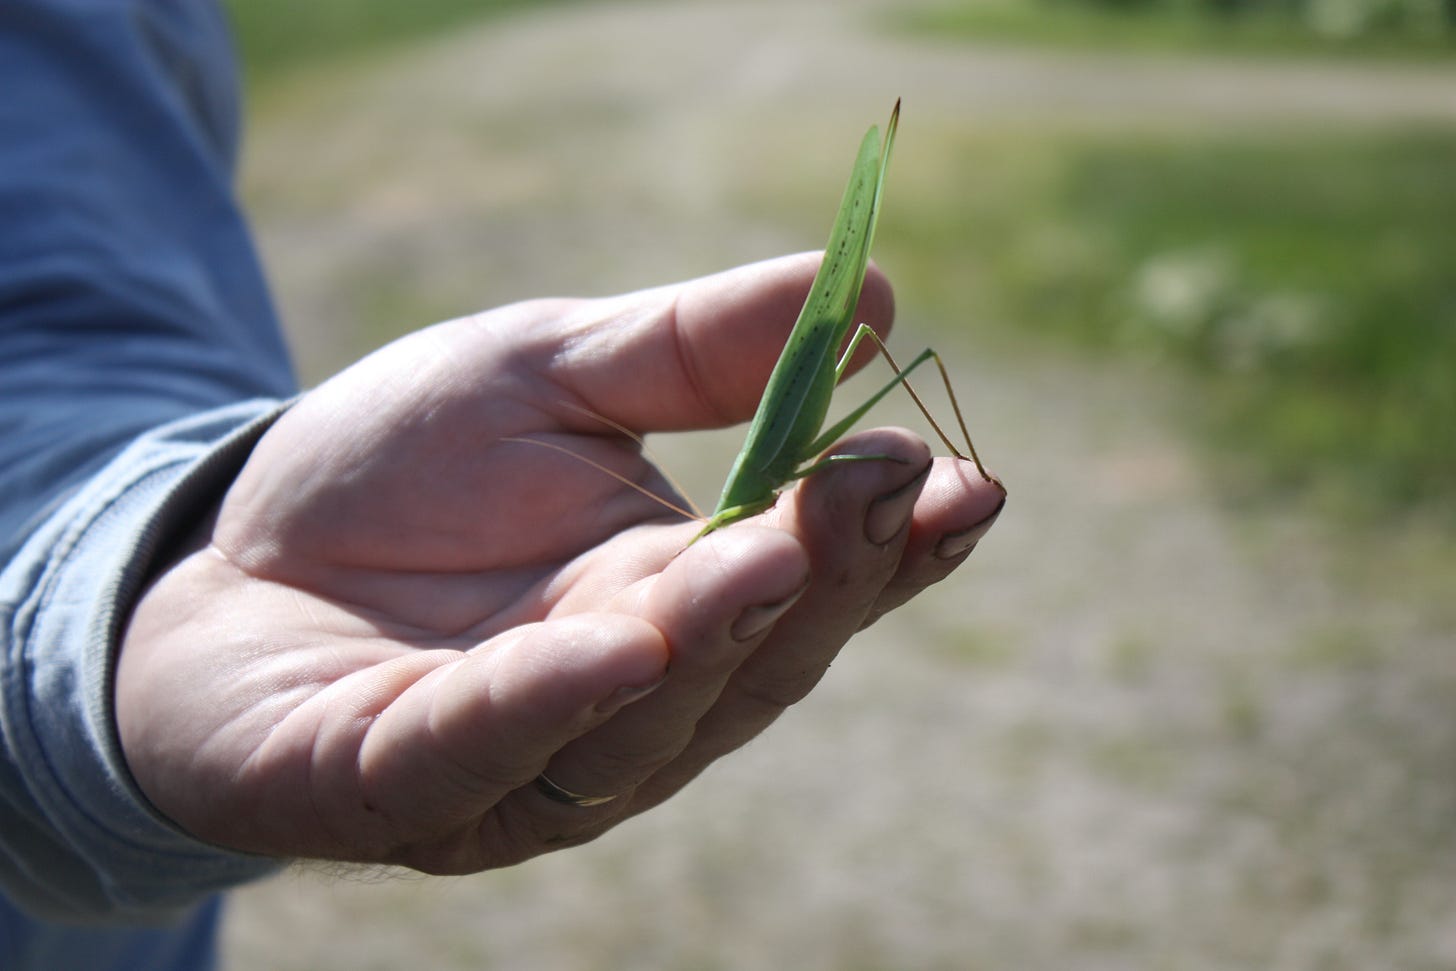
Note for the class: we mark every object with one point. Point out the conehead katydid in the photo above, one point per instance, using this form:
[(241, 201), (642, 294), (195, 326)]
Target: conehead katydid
[(785, 439)]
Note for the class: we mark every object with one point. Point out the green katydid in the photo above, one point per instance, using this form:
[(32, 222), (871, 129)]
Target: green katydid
[(785, 432)]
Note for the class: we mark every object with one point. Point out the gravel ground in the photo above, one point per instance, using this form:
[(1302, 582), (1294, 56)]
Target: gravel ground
[(1142, 729)]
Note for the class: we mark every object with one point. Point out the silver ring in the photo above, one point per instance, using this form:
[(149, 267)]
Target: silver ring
[(559, 794)]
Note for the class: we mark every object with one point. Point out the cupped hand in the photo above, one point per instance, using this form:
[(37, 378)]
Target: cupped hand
[(434, 581)]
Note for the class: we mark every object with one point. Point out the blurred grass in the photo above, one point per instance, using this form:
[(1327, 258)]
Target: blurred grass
[(276, 36), (1257, 29), (1305, 286)]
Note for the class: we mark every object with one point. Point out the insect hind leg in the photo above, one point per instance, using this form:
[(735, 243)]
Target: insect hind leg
[(901, 378)]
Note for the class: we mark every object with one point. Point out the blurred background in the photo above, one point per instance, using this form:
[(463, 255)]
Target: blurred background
[(1192, 705)]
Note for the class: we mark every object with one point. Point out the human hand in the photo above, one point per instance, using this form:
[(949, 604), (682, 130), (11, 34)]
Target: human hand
[(398, 618)]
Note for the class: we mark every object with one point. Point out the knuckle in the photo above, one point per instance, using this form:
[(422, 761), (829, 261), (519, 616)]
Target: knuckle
[(628, 764), (777, 692), (516, 832)]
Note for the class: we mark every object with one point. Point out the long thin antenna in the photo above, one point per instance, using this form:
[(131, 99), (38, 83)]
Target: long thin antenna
[(638, 487), (646, 450)]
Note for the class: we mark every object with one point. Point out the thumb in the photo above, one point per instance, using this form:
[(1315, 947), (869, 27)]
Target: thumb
[(695, 354)]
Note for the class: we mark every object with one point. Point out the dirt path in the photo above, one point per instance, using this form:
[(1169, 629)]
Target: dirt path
[(1141, 732)]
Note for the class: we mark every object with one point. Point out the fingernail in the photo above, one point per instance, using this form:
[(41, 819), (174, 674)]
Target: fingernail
[(627, 694), (757, 619), (952, 545), (891, 513)]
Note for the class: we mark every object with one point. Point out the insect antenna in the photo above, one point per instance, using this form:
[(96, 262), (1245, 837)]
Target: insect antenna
[(634, 486), (646, 450)]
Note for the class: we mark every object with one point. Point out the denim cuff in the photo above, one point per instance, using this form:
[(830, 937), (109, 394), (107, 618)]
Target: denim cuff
[(78, 839)]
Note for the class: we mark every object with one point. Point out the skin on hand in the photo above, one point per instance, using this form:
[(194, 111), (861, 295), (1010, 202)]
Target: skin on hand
[(396, 619)]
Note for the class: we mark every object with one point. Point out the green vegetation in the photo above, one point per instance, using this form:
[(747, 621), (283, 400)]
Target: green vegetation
[(277, 35), (1307, 283), (1306, 286), (1360, 28)]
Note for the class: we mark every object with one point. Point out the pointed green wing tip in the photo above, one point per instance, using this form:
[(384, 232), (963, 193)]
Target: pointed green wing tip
[(890, 129), (893, 125)]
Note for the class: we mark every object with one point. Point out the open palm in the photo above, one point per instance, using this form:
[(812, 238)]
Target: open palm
[(403, 613)]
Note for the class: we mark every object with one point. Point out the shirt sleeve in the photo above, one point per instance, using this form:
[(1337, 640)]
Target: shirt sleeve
[(140, 359)]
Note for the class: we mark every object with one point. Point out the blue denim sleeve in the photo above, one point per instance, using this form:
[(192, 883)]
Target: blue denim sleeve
[(140, 359)]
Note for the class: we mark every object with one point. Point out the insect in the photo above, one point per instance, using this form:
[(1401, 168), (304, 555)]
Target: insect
[(785, 440)]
